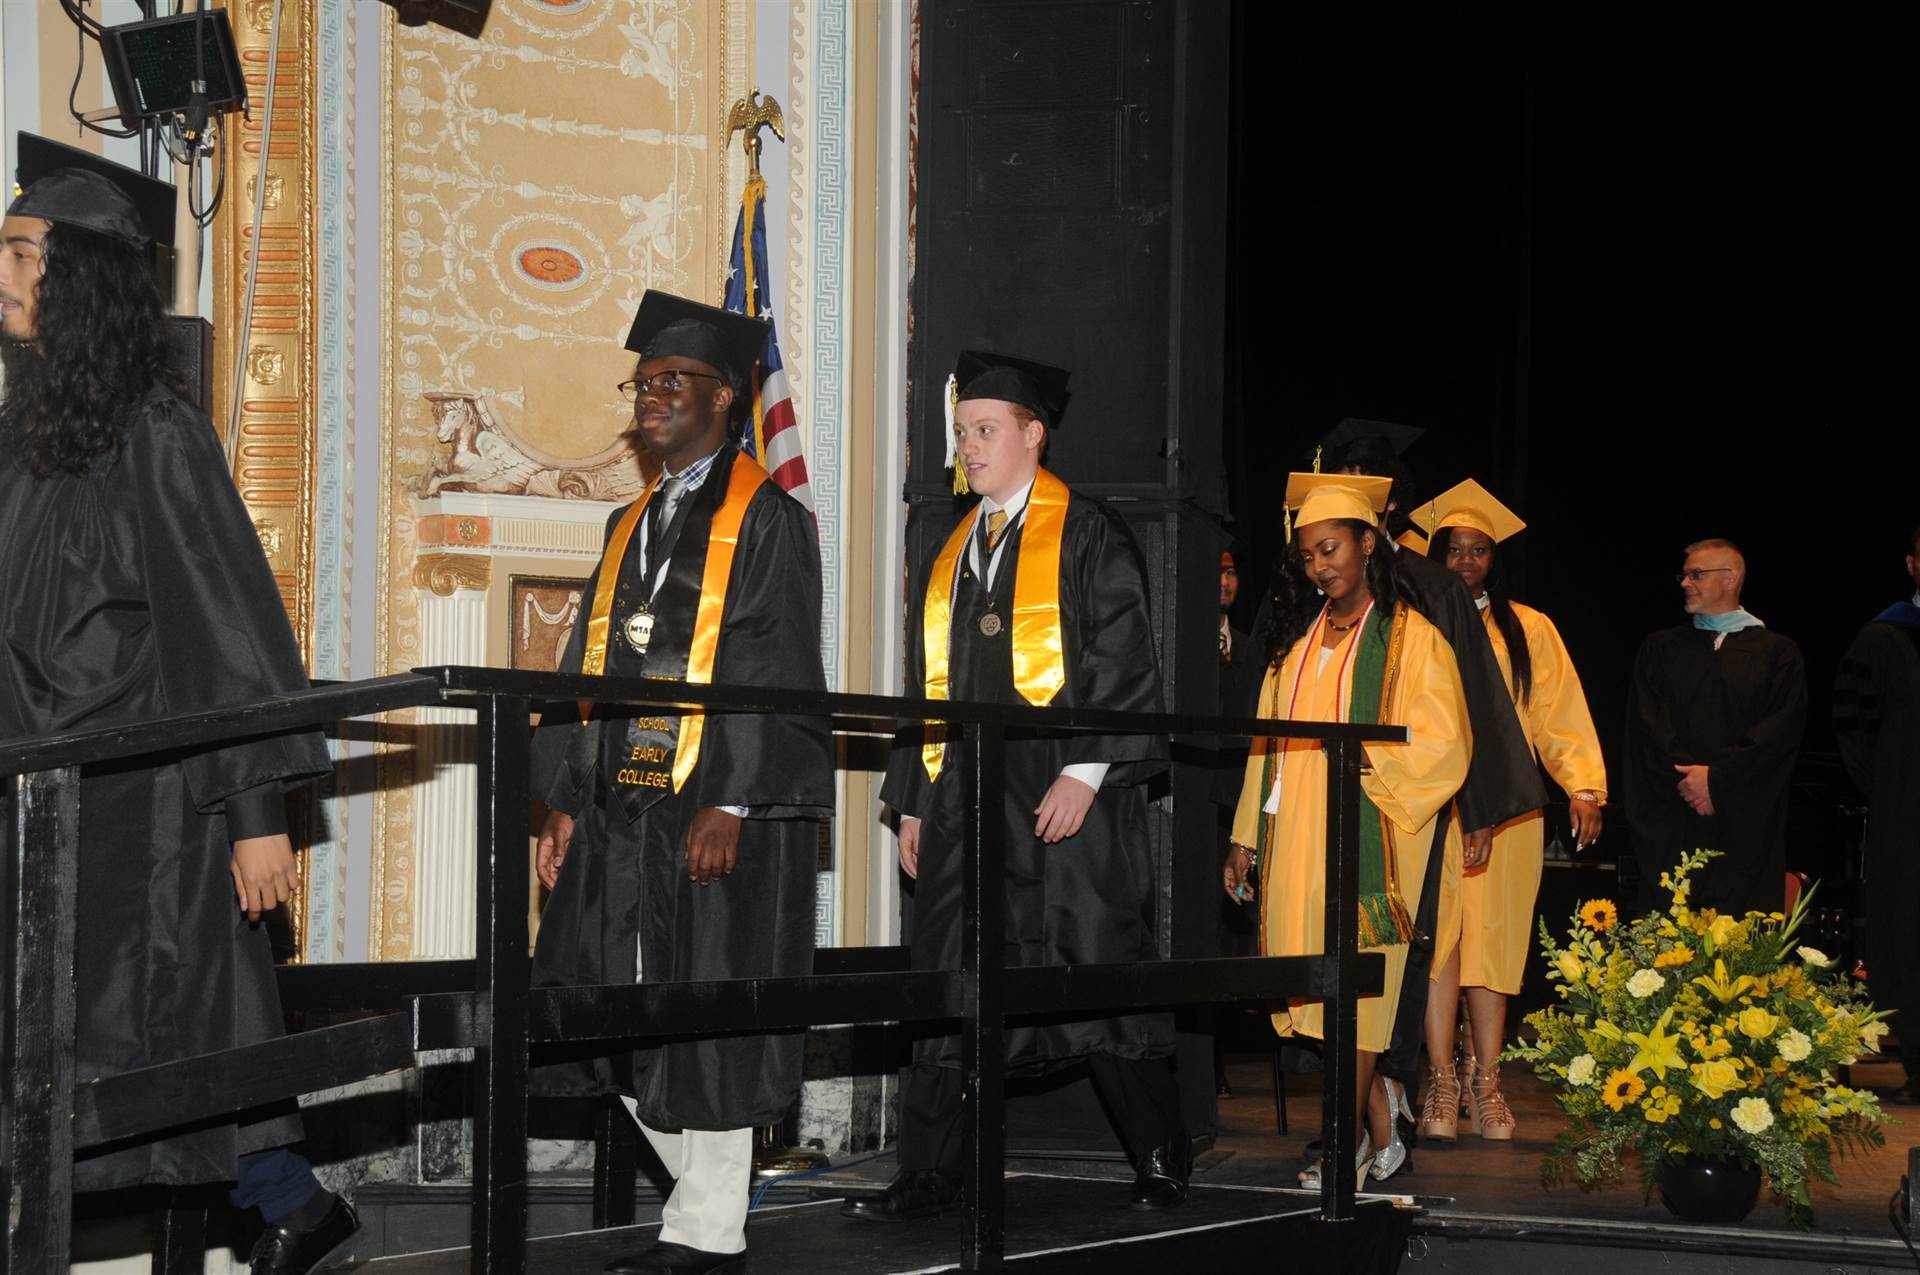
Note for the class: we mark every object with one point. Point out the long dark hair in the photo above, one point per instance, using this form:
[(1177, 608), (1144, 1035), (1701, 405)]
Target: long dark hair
[(1297, 601), (99, 348), (1500, 607)]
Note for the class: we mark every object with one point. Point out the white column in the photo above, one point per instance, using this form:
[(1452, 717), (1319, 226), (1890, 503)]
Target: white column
[(453, 630)]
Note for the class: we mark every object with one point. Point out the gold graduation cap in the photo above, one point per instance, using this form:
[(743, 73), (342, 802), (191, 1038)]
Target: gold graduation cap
[(1413, 540), (1468, 505), (1316, 497)]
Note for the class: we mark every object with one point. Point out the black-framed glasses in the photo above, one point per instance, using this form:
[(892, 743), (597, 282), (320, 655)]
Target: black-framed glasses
[(667, 382), (1681, 577)]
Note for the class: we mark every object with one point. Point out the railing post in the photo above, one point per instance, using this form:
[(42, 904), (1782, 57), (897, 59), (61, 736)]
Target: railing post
[(1339, 1016), (40, 876), (502, 970), (983, 1055), (615, 1168)]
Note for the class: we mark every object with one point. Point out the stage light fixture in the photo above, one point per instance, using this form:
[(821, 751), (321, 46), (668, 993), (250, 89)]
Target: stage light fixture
[(468, 17), (151, 66)]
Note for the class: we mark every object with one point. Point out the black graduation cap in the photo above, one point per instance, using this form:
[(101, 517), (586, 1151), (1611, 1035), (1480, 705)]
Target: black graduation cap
[(66, 185), (1352, 430), (1038, 387), (667, 326)]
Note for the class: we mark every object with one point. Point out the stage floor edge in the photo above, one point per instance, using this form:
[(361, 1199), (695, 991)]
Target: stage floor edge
[(1054, 1222), (1449, 1240)]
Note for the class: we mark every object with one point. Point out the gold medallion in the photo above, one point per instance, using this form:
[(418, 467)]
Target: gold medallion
[(989, 625)]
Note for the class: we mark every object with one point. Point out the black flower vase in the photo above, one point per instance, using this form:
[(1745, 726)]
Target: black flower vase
[(1699, 1189)]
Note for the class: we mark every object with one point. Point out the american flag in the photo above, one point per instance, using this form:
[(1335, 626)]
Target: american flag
[(775, 439)]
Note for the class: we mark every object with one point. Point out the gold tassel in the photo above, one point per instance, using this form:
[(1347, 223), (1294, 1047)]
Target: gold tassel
[(960, 487), (1316, 458)]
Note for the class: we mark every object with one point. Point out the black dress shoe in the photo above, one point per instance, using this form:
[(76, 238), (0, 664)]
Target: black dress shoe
[(284, 1250), (911, 1195), (1162, 1181), (668, 1258)]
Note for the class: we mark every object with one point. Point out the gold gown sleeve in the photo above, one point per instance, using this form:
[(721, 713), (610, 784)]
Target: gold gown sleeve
[(1558, 723), (1247, 814), (1412, 782)]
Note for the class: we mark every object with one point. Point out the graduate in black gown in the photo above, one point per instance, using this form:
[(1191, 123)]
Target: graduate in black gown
[(683, 847), (1038, 596), (1714, 720), (136, 588), (1876, 722)]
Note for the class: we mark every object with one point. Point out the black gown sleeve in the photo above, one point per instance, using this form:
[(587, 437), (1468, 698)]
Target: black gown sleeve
[(906, 788), (1856, 708), (776, 765), (1651, 745), (219, 628), (1764, 753), (1113, 665)]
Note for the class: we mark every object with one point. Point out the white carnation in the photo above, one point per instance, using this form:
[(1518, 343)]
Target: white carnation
[(1813, 957), (1795, 1044), (1753, 1115), (1580, 1070), (1645, 983)]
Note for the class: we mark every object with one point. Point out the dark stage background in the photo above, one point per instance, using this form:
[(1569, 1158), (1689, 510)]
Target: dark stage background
[(1635, 272)]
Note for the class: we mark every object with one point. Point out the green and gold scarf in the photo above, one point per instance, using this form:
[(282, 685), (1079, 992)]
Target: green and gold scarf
[(1384, 919)]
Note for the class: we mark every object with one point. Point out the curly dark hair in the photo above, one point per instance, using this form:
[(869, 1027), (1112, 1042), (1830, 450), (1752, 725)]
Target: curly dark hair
[(1500, 607), (100, 346), (1297, 601)]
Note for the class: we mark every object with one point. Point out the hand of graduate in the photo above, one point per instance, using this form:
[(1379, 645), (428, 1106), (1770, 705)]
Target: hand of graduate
[(1062, 810), (1478, 848), (713, 843), (1693, 789), (1585, 818), (263, 873), (551, 850), (1237, 876), (910, 846)]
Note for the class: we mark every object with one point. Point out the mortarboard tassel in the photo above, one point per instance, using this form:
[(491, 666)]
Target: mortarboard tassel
[(952, 404)]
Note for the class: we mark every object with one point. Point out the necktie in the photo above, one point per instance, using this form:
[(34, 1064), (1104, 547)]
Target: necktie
[(659, 514), (996, 528)]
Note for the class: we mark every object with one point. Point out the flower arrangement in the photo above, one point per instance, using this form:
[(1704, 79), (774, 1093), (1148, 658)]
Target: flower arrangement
[(1692, 1033)]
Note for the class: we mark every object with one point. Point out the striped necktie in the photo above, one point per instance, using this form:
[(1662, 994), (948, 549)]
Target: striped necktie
[(996, 528)]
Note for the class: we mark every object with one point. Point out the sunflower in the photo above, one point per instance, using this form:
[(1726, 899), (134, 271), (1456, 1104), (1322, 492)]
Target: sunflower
[(1622, 1089), (1599, 915)]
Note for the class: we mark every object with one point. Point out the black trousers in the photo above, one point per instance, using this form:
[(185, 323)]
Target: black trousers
[(1140, 1096)]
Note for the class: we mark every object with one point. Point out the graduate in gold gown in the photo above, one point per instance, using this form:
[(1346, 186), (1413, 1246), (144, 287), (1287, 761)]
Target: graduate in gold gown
[(1357, 655), (1486, 916)]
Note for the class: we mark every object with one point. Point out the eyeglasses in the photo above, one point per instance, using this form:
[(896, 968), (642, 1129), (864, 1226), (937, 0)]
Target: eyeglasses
[(667, 382), (1681, 577)]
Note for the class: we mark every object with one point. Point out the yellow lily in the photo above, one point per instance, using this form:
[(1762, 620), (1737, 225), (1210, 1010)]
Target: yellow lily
[(1656, 1049), (1724, 989)]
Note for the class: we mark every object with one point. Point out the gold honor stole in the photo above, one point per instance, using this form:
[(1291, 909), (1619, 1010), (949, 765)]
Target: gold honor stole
[(1039, 652), (722, 538)]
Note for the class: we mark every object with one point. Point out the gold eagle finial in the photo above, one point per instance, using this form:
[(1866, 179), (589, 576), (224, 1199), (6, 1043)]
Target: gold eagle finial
[(748, 116)]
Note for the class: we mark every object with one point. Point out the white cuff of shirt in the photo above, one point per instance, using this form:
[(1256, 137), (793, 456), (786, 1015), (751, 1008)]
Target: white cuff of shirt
[(738, 812), (1090, 773)]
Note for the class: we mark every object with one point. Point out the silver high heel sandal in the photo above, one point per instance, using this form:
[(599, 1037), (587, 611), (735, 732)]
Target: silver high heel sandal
[(1396, 1155), (1362, 1165)]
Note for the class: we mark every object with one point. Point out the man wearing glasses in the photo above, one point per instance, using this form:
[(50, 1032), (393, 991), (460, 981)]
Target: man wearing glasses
[(682, 845), (1714, 719)]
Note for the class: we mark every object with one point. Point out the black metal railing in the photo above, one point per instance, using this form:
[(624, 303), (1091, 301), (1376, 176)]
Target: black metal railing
[(486, 1004)]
